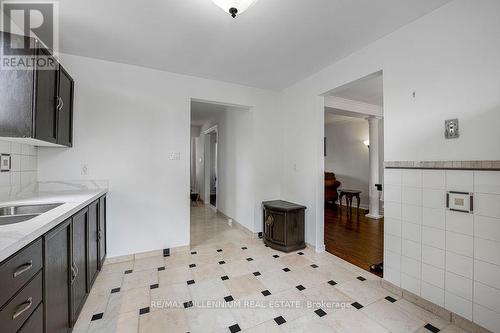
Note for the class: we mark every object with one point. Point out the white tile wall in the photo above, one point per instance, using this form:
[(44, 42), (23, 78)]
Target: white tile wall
[(23, 168), (449, 258)]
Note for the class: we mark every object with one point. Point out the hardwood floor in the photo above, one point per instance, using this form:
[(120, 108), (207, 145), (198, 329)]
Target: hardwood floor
[(354, 237)]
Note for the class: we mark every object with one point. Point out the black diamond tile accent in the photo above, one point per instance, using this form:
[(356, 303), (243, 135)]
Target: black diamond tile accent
[(229, 298), (190, 282), (300, 253), (128, 271), (357, 305), (144, 311), (219, 250), (276, 256), (154, 286), (391, 299), (161, 268), (320, 312), (234, 328), (300, 287), (266, 292), (332, 283), (280, 320), (188, 304), (314, 266), (115, 290), (192, 265), (222, 262), (259, 235), (266, 245), (256, 273), (244, 248), (194, 252), (249, 259), (432, 328), (286, 269), (224, 278), (360, 278), (97, 316), (166, 252)]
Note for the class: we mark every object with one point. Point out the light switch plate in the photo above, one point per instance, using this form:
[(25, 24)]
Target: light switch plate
[(174, 156), (460, 201), (451, 130), (5, 162)]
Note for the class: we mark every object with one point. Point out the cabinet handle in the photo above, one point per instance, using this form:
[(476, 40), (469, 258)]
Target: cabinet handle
[(58, 107), (99, 234), (62, 104), (23, 308), (23, 268), (74, 272)]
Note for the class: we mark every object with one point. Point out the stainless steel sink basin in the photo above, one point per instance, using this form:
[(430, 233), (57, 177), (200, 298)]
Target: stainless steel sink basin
[(11, 219), (27, 209), (21, 213)]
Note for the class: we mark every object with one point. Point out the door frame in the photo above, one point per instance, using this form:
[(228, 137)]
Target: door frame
[(211, 130)]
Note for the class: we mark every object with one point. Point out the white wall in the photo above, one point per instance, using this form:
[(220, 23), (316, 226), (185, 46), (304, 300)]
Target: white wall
[(448, 57), (347, 156), (127, 121), (235, 173)]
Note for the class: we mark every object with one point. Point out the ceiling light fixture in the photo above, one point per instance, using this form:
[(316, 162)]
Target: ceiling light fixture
[(234, 7)]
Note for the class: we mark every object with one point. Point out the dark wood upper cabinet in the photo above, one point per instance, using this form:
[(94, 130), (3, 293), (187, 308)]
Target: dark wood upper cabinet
[(57, 278), (36, 101), (65, 108)]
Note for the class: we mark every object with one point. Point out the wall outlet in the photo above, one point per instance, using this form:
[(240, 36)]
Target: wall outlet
[(85, 169), (174, 156)]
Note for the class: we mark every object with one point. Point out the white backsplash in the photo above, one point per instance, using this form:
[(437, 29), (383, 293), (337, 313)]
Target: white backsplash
[(23, 173), (449, 258)]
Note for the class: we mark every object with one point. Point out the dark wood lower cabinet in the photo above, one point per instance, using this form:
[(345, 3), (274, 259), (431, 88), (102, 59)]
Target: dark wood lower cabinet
[(93, 236), (57, 278), (101, 232), (79, 250)]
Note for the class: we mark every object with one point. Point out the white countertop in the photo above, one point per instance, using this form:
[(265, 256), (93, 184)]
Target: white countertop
[(14, 237)]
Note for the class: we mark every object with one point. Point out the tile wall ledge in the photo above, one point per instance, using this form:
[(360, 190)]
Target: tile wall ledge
[(444, 165)]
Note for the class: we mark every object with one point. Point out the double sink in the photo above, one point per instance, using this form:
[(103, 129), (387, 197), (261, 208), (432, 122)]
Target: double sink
[(21, 213)]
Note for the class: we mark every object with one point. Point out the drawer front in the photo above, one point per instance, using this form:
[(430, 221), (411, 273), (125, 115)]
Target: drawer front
[(19, 309), (34, 324), (19, 269)]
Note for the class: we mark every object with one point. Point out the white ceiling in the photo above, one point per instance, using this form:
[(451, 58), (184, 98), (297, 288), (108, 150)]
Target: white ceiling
[(272, 45), (367, 90)]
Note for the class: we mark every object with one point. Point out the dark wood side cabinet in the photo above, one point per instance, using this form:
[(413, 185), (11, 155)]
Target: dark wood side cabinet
[(48, 281), (283, 225), (37, 103), (101, 232)]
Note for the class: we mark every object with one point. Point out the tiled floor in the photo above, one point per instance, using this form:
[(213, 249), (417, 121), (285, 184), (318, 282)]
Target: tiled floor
[(232, 282)]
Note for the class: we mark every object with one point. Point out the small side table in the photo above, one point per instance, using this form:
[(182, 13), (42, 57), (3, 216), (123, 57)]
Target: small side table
[(349, 195)]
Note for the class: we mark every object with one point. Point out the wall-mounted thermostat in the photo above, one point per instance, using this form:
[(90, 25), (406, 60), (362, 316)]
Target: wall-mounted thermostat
[(4, 162), (460, 201), (451, 129)]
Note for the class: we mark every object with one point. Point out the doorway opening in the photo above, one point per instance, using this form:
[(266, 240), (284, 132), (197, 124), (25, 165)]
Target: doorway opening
[(353, 164), (220, 153)]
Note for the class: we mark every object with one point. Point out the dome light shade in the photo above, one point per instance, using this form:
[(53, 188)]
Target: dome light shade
[(234, 7)]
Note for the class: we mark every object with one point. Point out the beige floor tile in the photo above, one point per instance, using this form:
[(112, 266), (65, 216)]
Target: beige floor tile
[(107, 281), (294, 261), (238, 268), (123, 323), (453, 329), (209, 320), (169, 296), (364, 292), (253, 310), (171, 321), (243, 286), (207, 272), (422, 314), (290, 304), (327, 297), (208, 290), (308, 276), (353, 321), (276, 281), (309, 323), (128, 301), (140, 279), (392, 317), (264, 264), (178, 259), (267, 327), (147, 263), (175, 275), (120, 267)]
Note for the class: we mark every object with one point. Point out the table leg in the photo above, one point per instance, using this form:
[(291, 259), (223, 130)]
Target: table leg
[(358, 199)]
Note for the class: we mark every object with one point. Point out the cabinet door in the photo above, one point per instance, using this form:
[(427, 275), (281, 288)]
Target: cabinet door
[(79, 262), (65, 110), (45, 106), (102, 230), (93, 255), (277, 231), (57, 278)]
